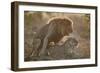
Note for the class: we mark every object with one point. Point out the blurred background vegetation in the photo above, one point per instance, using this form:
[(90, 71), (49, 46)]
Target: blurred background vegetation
[(33, 21)]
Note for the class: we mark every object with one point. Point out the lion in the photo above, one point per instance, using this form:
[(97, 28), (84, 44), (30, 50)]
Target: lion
[(53, 31)]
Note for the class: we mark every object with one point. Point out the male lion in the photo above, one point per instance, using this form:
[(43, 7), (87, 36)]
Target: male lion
[(53, 31)]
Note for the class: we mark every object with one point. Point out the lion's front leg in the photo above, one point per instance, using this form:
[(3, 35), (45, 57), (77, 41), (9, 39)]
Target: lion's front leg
[(45, 41), (44, 47)]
